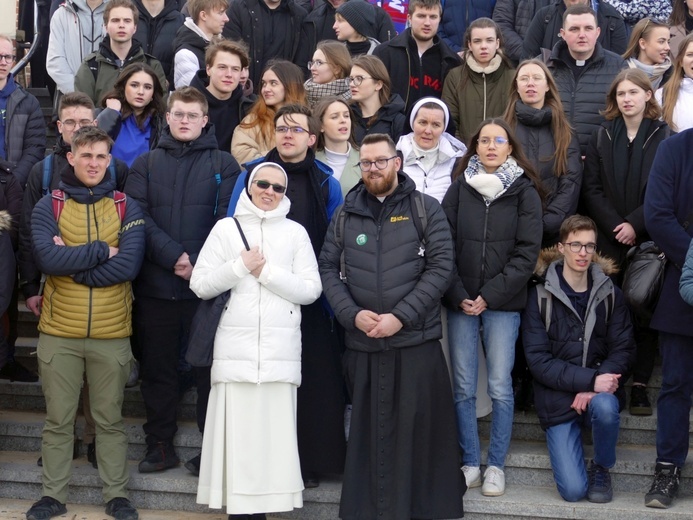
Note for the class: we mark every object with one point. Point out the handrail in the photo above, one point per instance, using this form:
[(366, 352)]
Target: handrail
[(32, 49)]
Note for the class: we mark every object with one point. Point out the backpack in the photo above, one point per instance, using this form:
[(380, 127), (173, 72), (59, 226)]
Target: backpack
[(48, 173), (216, 165), (58, 198), (420, 222), (544, 301), (94, 65)]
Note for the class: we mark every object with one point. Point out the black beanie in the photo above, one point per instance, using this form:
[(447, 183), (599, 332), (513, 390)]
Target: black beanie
[(360, 15)]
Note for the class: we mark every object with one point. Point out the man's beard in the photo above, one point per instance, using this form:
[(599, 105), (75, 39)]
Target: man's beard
[(380, 185)]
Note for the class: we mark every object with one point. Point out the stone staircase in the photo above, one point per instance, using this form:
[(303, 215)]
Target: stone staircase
[(530, 488)]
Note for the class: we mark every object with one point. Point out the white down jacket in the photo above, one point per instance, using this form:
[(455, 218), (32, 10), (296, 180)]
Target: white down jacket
[(437, 180), (258, 339)]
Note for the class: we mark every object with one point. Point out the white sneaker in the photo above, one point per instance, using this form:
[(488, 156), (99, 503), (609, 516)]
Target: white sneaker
[(494, 482), (472, 476)]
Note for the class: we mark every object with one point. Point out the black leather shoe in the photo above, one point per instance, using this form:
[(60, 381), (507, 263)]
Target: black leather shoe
[(193, 465), (160, 456), (121, 509), (639, 403), (46, 508), (311, 480)]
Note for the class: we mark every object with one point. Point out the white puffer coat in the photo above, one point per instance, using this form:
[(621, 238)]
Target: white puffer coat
[(437, 180), (259, 337)]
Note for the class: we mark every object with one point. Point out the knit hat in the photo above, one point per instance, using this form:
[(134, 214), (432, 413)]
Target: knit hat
[(360, 15), (249, 178), (423, 101)]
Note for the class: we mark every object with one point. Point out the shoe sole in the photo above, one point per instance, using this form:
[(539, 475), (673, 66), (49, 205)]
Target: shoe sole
[(658, 503), (475, 484), (492, 493), (57, 513), (154, 469), (600, 500)]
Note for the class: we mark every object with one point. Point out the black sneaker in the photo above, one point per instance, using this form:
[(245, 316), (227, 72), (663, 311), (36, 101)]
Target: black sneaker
[(91, 454), (599, 488), (193, 465), (15, 371), (639, 403), (665, 486), (160, 456), (46, 508), (121, 509)]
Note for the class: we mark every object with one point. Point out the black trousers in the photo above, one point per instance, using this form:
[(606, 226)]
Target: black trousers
[(162, 329)]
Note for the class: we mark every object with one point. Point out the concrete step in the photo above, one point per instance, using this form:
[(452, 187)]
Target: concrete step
[(176, 491), (21, 431), (29, 397)]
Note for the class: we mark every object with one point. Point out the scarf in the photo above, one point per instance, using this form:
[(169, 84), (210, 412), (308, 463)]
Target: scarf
[(491, 186), (627, 172), (492, 66), (310, 211), (317, 91), (655, 72)]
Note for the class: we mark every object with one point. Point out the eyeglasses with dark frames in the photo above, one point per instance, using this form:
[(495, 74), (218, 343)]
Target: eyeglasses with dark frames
[(380, 164), (576, 247)]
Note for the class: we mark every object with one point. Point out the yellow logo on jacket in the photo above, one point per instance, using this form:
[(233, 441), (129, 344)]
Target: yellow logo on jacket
[(400, 218)]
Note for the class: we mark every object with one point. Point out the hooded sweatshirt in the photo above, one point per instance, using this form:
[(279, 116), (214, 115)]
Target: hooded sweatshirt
[(75, 32)]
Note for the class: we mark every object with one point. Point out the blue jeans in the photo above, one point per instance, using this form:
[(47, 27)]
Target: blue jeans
[(674, 402), (565, 445), (499, 333)]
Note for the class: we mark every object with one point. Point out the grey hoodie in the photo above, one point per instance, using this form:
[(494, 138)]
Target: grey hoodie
[(76, 32)]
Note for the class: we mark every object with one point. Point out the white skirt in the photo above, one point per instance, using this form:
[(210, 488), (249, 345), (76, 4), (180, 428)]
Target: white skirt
[(250, 458)]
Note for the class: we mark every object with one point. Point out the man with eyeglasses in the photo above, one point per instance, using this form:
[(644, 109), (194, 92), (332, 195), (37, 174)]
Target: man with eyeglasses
[(314, 196), (22, 128), (385, 265), (183, 186), (579, 344)]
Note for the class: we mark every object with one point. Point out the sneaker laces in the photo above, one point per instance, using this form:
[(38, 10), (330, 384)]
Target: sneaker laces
[(599, 476), (492, 476), (664, 481)]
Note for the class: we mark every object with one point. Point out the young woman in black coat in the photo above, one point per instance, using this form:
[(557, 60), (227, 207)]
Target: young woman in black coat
[(536, 113), (376, 110), (619, 158)]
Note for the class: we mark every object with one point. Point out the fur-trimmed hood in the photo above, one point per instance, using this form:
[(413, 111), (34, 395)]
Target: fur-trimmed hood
[(5, 221), (551, 254)]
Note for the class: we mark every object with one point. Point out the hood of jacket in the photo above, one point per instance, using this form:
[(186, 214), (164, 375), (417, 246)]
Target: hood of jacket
[(655, 126), (552, 254), (189, 35), (449, 147), (81, 8), (201, 81), (387, 112), (206, 141), (74, 188), (107, 53)]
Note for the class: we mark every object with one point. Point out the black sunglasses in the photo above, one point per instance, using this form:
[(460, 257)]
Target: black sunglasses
[(263, 185)]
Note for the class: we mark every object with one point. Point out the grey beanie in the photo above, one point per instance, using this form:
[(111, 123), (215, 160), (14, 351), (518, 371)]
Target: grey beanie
[(360, 15)]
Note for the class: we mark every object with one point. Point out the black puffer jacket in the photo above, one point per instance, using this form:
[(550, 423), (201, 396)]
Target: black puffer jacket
[(543, 33), (567, 359), (176, 186), (514, 18), (533, 130), (156, 34), (390, 120), (600, 189), (385, 272), (399, 59), (247, 22), (585, 97), (496, 245), (30, 276)]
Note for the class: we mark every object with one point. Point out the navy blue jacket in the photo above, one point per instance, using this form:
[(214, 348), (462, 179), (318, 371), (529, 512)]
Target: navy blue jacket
[(566, 360), (668, 204), (177, 188), (457, 15)]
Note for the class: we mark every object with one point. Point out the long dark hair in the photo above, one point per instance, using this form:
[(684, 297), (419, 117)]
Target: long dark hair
[(156, 107), (560, 126), (517, 153)]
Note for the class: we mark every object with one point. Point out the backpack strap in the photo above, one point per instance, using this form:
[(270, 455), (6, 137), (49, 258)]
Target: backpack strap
[(120, 200), (47, 174), (544, 301), (339, 238), (58, 199), (216, 165), (112, 171), (240, 232), (420, 218)]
